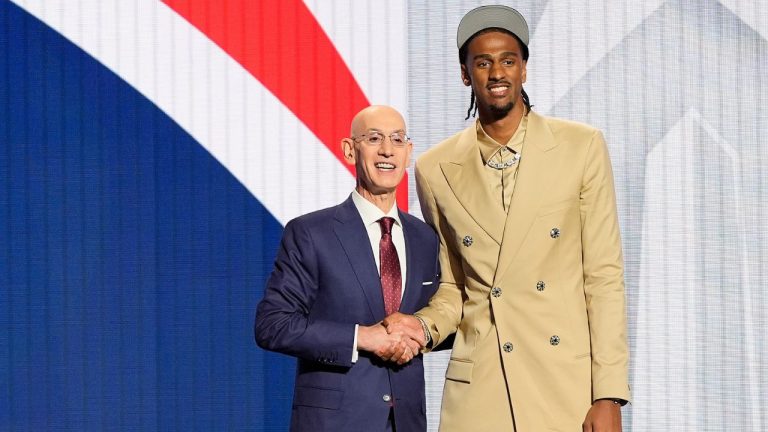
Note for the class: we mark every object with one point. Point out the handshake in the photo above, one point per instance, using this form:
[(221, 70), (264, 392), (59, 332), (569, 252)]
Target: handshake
[(398, 338)]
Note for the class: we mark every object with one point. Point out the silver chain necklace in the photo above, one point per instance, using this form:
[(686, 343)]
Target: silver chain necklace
[(502, 165)]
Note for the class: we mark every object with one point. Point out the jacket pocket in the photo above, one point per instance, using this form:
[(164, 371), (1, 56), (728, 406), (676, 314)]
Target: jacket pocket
[(459, 370), (318, 397)]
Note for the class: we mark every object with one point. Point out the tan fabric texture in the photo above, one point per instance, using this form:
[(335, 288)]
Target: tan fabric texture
[(536, 294), (501, 181)]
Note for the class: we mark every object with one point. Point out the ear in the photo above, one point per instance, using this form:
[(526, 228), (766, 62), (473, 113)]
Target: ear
[(348, 150), (525, 70), (465, 76)]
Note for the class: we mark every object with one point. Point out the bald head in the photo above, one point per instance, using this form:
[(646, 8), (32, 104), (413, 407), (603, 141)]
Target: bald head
[(377, 117), (380, 150)]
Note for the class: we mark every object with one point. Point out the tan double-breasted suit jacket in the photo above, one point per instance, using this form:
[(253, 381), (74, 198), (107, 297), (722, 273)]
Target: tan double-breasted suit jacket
[(535, 295)]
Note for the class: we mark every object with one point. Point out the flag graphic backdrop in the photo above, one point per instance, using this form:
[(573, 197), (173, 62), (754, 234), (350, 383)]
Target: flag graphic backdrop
[(151, 153)]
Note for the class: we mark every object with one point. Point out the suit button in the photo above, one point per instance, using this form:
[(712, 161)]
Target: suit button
[(386, 398), (467, 241), (540, 285), (554, 340), (496, 292), (507, 347), (554, 233)]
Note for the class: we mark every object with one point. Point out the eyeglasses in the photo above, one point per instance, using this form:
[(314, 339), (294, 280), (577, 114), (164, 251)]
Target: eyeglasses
[(398, 139)]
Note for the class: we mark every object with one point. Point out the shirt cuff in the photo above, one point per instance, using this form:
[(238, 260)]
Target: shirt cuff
[(354, 346)]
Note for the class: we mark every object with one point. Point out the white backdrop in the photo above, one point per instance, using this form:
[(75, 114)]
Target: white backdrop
[(679, 88)]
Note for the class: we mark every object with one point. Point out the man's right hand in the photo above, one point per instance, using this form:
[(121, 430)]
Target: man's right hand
[(389, 346), (408, 325)]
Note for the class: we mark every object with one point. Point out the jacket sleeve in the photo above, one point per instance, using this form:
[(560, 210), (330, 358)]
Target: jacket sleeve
[(443, 313), (284, 319), (603, 275)]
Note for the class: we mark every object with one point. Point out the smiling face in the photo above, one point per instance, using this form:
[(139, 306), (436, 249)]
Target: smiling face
[(379, 167), (495, 68)]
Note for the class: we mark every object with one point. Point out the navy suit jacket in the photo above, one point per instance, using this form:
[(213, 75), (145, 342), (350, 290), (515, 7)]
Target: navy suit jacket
[(324, 282)]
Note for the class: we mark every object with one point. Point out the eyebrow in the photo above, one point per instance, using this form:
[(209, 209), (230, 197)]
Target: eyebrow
[(504, 54)]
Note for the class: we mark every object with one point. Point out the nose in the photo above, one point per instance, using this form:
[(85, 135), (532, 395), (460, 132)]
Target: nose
[(386, 148), (496, 72)]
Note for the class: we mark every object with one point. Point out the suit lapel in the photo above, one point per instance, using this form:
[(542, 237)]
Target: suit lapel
[(412, 285), (534, 175), (353, 236), (463, 176)]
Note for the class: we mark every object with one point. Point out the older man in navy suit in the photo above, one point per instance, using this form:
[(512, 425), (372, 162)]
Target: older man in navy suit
[(339, 272)]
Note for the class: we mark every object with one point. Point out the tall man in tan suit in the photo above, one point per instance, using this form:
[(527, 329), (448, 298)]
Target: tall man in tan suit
[(532, 272)]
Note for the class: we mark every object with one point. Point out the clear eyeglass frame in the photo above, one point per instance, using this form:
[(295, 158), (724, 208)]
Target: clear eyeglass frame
[(398, 139)]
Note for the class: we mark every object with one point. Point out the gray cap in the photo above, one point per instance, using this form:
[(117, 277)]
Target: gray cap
[(490, 16)]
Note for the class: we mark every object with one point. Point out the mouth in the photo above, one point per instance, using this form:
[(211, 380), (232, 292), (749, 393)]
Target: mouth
[(384, 166), (499, 89)]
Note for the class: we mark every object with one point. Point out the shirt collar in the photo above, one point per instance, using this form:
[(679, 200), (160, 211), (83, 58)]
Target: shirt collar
[(489, 146), (370, 213)]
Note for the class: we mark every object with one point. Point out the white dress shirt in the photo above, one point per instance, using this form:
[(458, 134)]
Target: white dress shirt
[(371, 215)]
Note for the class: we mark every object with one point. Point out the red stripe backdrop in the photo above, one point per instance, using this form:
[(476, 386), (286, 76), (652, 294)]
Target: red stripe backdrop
[(283, 46)]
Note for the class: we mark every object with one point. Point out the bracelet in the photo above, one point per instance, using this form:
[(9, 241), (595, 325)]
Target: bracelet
[(427, 335)]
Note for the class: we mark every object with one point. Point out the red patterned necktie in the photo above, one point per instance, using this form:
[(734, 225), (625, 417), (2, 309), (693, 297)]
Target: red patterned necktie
[(391, 279)]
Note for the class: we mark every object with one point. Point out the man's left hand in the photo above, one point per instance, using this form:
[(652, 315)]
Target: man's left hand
[(604, 416)]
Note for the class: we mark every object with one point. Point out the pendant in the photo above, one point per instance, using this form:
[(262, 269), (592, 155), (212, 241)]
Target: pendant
[(502, 165)]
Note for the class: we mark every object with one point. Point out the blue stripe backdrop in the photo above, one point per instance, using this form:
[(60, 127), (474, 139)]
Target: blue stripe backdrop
[(130, 260)]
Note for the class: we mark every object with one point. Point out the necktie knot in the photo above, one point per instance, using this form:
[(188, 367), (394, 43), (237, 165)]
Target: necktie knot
[(386, 225)]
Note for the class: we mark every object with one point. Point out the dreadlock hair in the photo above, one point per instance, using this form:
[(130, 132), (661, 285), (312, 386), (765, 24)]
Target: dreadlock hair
[(472, 111)]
